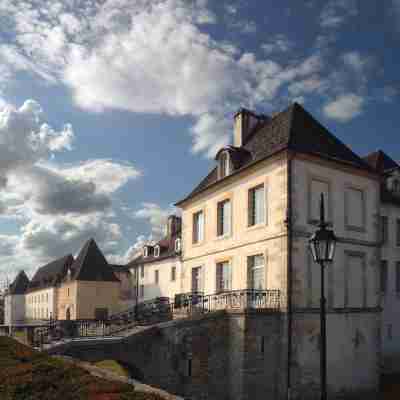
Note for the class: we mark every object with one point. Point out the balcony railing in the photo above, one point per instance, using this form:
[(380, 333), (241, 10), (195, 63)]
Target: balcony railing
[(189, 303)]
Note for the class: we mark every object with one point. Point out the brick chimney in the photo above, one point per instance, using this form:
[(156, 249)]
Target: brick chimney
[(244, 122), (173, 225)]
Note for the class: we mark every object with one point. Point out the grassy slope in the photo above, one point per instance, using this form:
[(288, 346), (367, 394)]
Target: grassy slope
[(26, 374), (113, 366)]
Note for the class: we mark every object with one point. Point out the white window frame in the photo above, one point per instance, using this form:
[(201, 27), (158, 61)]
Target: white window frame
[(251, 268), (221, 172), (178, 245), (199, 239), (228, 232), (264, 185), (145, 251), (157, 251), (217, 282)]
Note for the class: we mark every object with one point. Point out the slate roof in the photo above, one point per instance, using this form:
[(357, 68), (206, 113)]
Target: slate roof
[(20, 284), (91, 265), (167, 250), (292, 129), (51, 274), (381, 162)]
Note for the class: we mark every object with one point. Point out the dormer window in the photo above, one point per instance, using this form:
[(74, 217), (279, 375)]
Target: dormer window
[(157, 251), (145, 251), (69, 274), (396, 186), (224, 165), (177, 245)]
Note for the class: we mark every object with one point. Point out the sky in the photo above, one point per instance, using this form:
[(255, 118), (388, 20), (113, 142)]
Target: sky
[(113, 110)]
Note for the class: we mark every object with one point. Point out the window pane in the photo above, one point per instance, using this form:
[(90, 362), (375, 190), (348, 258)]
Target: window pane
[(223, 276), (256, 272), (384, 229), (318, 187), (201, 226), (398, 277), (259, 205), (384, 273), (398, 232), (227, 217)]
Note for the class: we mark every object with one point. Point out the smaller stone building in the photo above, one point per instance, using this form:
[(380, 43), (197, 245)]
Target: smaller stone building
[(14, 300), (90, 289), (41, 297)]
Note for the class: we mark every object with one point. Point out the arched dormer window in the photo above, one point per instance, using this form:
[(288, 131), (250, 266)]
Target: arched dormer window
[(178, 245), (157, 251), (224, 165), (145, 251)]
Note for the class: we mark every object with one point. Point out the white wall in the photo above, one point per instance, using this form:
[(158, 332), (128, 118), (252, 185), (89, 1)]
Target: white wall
[(40, 304), (14, 309), (391, 298), (165, 287)]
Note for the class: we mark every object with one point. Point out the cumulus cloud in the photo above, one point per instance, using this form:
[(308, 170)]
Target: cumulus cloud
[(57, 206), (278, 44), (156, 216), (145, 56), (24, 139), (344, 108), (337, 12)]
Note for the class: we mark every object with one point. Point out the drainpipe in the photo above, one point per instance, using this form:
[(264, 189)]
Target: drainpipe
[(289, 271)]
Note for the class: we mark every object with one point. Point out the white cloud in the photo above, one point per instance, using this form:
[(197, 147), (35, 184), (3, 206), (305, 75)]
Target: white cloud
[(156, 216), (336, 12), (344, 108), (147, 56), (57, 207), (279, 43)]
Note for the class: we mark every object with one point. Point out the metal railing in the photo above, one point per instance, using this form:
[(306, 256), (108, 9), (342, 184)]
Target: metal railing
[(192, 303), (160, 309)]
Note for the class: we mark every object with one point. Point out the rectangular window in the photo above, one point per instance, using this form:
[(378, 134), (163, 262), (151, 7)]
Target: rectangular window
[(256, 267), (142, 271), (156, 276), (384, 229), (398, 277), (196, 280), (223, 276), (224, 218), (256, 206), (355, 209), (384, 275), (398, 232), (318, 187), (173, 273), (141, 290), (198, 227)]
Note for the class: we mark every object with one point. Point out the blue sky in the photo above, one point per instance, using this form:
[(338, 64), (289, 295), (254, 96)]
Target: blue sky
[(111, 111)]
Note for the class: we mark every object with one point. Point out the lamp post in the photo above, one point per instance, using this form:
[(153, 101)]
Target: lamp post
[(322, 245)]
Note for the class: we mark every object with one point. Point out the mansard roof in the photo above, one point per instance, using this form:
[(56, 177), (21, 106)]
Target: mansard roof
[(381, 162), (20, 284), (292, 129), (167, 250), (51, 274), (91, 265)]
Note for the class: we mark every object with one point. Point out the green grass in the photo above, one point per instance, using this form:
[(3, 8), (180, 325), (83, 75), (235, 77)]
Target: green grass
[(26, 374), (113, 366)]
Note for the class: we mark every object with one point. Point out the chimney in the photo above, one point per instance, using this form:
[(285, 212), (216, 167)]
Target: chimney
[(244, 122), (173, 225)]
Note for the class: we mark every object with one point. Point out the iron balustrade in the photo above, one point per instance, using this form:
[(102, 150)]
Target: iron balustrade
[(160, 309)]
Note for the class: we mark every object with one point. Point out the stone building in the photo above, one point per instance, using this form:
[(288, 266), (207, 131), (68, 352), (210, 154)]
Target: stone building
[(14, 300), (389, 171), (42, 293), (89, 289), (157, 271), (246, 226)]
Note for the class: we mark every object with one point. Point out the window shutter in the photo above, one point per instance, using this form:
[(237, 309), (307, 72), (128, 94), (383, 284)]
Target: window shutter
[(194, 233)]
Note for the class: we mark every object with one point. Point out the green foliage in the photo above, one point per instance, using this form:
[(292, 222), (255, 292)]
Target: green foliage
[(26, 374)]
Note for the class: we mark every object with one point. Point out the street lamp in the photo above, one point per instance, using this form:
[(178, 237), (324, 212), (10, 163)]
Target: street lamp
[(322, 245)]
